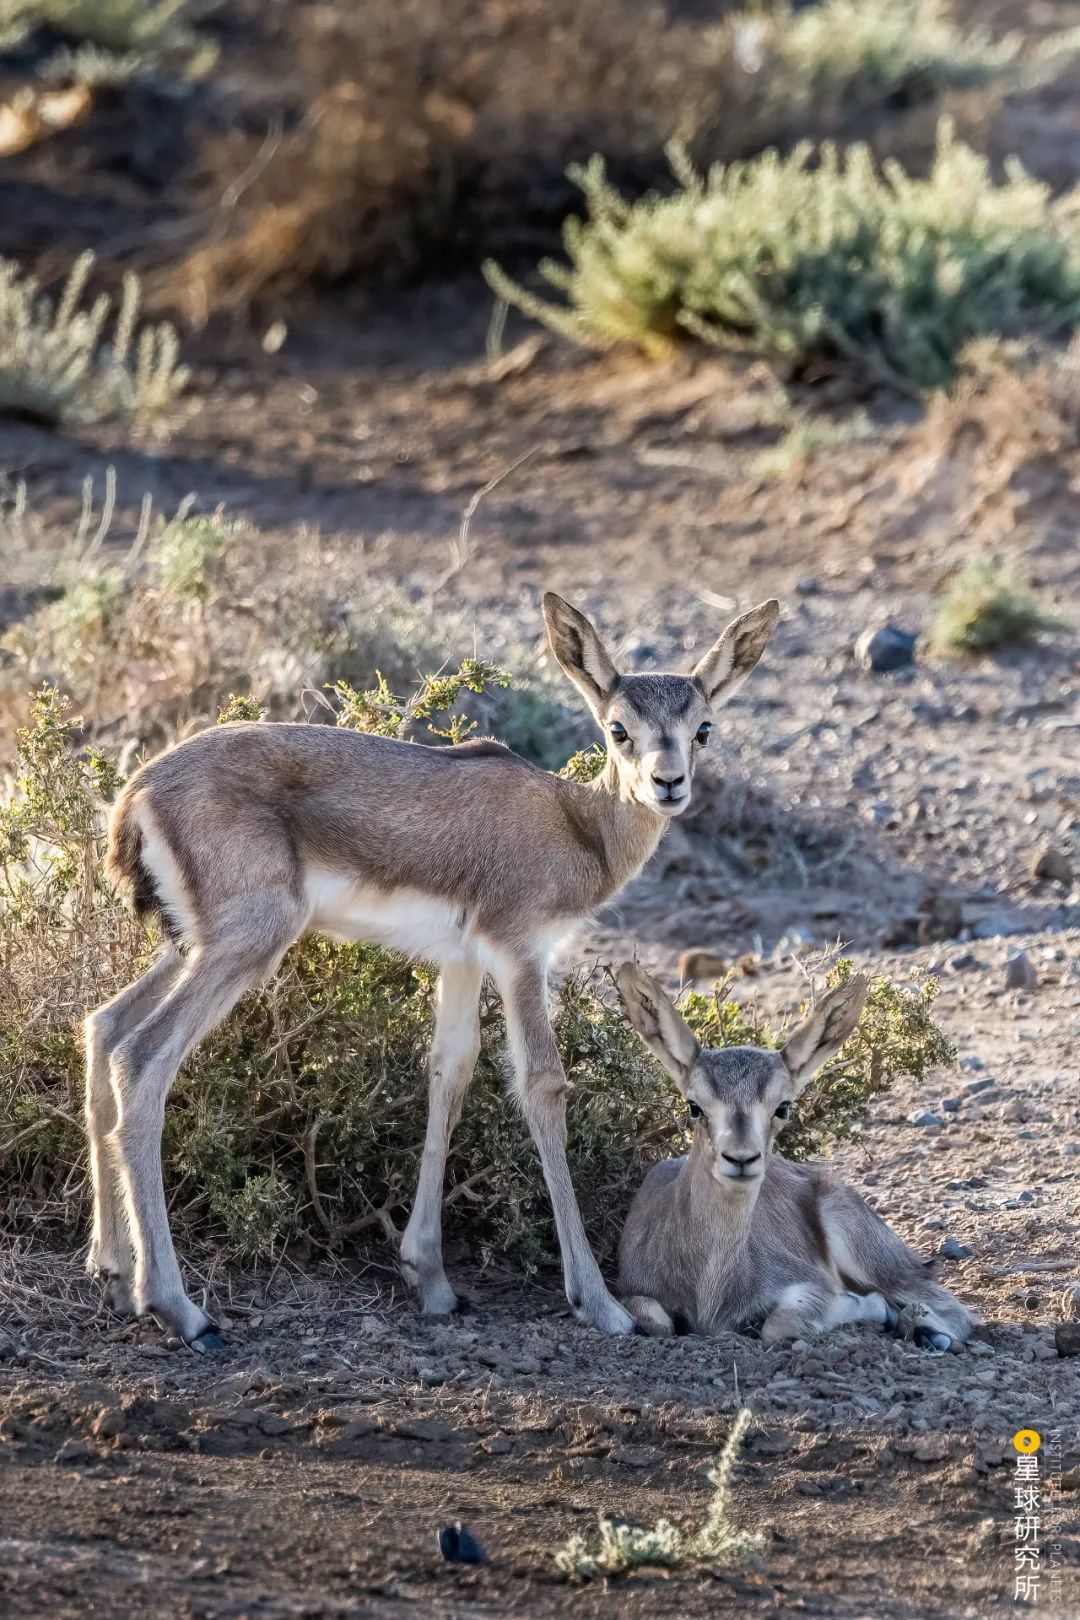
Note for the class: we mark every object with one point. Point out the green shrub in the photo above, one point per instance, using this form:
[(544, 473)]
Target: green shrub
[(896, 1036), (58, 366), (985, 607), (818, 257), (868, 50), (113, 39), (304, 1112)]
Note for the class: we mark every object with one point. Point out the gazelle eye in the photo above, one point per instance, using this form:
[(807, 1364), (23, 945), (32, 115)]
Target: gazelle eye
[(695, 1110), (703, 733), (783, 1111), (618, 731)]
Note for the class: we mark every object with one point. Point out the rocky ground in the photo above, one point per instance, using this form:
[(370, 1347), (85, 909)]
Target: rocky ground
[(309, 1469)]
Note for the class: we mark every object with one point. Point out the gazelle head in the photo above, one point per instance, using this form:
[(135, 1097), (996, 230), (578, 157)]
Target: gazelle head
[(656, 726), (739, 1096)]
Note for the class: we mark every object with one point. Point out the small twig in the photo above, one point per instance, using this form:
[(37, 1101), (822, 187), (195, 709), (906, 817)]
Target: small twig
[(459, 549), (310, 1136)]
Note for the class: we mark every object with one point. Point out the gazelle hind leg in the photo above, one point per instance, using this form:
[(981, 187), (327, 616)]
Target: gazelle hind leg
[(109, 1255), (144, 1067), (870, 1254), (455, 1048)]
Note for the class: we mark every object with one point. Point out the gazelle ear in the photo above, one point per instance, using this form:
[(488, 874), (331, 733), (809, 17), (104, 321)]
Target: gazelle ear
[(579, 650), (723, 670), (824, 1030), (664, 1031)]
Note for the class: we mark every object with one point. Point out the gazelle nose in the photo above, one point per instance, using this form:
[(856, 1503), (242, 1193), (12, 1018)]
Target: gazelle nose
[(668, 782), (741, 1161)]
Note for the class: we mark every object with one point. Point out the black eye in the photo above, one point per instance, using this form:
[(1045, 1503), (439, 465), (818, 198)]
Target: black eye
[(618, 731), (783, 1111), (695, 1111), (703, 733)]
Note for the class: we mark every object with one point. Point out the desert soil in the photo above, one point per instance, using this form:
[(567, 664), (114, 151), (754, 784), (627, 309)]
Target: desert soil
[(308, 1469)]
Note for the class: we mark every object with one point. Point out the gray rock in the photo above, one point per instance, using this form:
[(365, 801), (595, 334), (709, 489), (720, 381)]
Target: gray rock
[(1051, 865), (923, 1116), (1019, 973), (952, 1105), (885, 648), (951, 1250)]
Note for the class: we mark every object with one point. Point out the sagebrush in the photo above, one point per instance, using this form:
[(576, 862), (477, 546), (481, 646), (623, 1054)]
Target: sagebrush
[(109, 39), (818, 258), (62, 361), (303, 1114)]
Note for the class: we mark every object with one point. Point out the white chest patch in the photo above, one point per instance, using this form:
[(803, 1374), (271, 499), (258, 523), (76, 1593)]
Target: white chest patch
[(406, 920)]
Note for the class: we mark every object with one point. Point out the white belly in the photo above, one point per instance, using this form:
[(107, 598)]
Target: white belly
[(405, 920)]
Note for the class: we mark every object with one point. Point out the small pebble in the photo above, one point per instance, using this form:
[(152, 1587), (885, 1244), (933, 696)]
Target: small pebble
[(458, 1545), (1019, 973), (885, 648)]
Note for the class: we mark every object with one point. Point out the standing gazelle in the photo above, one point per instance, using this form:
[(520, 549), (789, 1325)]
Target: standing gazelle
[(246, 836), (733, 1235)]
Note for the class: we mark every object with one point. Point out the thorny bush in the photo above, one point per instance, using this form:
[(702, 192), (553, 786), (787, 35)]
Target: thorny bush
[(302, 1115)]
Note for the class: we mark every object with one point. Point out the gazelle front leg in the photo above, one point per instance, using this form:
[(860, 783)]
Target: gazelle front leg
[(540, 1087), (454, 1051)]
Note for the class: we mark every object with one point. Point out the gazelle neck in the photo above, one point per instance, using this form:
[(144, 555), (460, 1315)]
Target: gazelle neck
[(627, 829), (717, 1208)]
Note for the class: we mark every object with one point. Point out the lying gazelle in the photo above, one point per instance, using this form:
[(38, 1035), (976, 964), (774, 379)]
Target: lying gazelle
[(246, 836), (733, 1235)]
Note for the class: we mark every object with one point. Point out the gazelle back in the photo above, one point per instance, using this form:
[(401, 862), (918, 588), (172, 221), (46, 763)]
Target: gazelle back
[(733, 1235), (246, 836)]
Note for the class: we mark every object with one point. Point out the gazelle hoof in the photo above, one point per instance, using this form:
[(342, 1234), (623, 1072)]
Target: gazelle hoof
[(206, 1342), (892, 1318), (934, 1344)]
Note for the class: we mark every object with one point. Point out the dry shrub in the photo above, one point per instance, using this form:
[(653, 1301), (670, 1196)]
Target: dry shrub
[(443, 128), (302, 1115), (149, 643)]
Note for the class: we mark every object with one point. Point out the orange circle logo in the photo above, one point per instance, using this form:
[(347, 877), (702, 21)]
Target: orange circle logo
[(1027, 1441)]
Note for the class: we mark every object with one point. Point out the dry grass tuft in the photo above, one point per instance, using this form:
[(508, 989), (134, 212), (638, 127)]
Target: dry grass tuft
[(622, 1547), (60, 363)]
